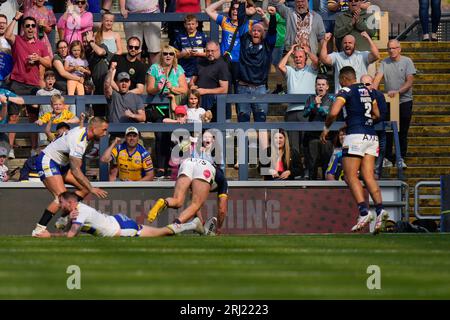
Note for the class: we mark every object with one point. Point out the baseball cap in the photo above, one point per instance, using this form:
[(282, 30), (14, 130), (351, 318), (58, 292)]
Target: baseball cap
[(123, 75), (131, 130), (3, 152), (180, 110)]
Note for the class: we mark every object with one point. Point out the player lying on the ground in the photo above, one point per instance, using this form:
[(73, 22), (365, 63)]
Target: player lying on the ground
[(89, 220), (196, 172), (60, 162), (360, 147)]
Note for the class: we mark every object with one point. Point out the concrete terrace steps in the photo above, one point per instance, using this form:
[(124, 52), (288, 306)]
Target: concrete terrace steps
[(438, 88), (421, 56), (423, 46), (430, 119), (421, 172), (428, 141), (429, 131), (442, 109), (427, 161)]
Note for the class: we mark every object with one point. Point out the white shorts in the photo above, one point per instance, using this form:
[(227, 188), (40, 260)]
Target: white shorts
[(361, 144), (148, 31), (197, 169)]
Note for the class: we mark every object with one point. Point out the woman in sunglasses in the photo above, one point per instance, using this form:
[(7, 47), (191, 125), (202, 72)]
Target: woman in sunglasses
[(75, 21), (45, 19), (165, 77)]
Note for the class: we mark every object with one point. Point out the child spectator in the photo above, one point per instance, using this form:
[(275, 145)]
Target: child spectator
[(193, 110), (48, 90), (77, 65), (59, 113), (335, 170), (180, 115), (4, 177), (107, 36), (190, 44)]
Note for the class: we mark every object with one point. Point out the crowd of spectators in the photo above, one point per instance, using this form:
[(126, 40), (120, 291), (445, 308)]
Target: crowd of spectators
[(192, 70)]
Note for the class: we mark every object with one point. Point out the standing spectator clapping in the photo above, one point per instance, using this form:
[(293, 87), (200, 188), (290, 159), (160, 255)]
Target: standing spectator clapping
[(75, 21)]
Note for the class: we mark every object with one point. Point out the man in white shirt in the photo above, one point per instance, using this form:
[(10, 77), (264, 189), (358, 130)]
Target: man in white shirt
[(358, 60), (89, 220), (60, 162)]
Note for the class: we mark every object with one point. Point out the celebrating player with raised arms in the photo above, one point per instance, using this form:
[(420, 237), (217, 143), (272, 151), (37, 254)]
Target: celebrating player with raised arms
[(360, 147), (60, 162)]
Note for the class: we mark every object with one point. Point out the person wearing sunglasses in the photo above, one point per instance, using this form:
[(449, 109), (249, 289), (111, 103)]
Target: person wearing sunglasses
[(75, 21), (30, 55), (129, 62), (353, 22)]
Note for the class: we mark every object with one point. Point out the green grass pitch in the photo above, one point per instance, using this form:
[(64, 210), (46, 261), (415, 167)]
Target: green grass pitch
[(228, 267)]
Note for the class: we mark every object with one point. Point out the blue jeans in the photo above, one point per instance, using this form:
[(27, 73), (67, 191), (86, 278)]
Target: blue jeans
[(435, 15), (259, 110), (382, 145)]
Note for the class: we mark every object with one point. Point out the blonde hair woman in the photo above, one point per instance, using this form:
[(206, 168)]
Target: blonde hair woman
[(107, 36)]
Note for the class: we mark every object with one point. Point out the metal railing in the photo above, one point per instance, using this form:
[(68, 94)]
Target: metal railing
[(414, 31), (421, 196), (221, 124)]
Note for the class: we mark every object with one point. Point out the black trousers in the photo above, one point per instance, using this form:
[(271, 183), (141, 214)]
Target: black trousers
[(405, 121)]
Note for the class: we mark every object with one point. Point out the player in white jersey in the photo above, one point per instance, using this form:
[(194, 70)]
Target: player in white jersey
[(60, 162), (89, 220), (196, 172)]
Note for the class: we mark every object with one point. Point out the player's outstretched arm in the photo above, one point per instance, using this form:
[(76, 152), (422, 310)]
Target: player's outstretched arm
[(75, 167)]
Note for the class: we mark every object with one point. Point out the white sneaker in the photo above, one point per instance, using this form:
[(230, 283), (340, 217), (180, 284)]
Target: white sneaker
[(210, 227), (200, 229), (62, 222), (380, 223), (387, 163), (363, 221), (11, 154), (39, 228), (403, 164)]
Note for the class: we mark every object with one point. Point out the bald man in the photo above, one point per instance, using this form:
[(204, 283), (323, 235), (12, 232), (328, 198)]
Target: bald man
[(359, 60), (398, 72)]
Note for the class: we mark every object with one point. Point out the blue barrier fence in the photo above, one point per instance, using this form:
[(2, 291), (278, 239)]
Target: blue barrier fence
[(221, 124)]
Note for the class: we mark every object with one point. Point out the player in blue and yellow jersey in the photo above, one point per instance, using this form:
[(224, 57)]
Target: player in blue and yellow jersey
[(360, 147), (130, 160), (60, 162)]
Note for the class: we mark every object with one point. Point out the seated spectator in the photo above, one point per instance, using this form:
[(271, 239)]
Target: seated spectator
[(335, 171), (284, 162), (212, 78), (129, 159), (123, 105), (75, 21), (317, 108), (150, 32), (191, 45), (4, 177), (303, 26), (59, 113), (129, 63), (165, 77), (354, 22), (45, 19), (300, 79), (107, 36), (78, 66), (358, 60)]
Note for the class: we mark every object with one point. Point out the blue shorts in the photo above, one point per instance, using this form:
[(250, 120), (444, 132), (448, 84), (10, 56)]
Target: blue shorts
[(128, 227), (46, 167)]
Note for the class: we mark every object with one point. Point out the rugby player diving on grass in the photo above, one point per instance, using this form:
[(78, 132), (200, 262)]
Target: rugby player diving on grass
[(89, 220)]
